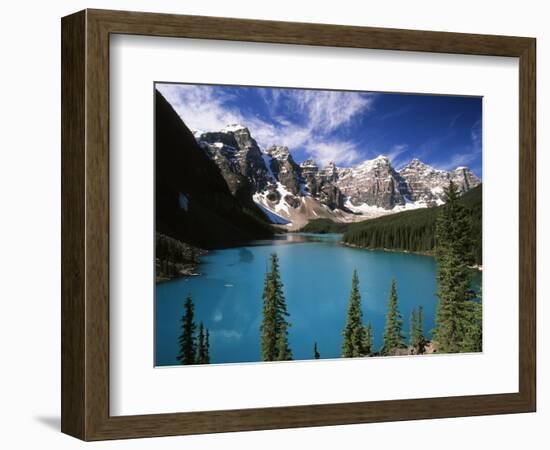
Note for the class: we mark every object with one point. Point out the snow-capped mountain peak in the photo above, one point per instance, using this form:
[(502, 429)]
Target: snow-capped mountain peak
[(232, 128), (299, 192)]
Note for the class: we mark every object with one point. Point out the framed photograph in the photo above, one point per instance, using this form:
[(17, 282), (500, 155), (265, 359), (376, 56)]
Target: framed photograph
[(273, 225)]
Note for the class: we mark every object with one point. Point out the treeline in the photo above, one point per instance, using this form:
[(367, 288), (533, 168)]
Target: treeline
[(194, 347), (459, 315), (415, 230), (323, 226), (358, 338), (174, 258), (275, 324), (193, 201), (458, 319)]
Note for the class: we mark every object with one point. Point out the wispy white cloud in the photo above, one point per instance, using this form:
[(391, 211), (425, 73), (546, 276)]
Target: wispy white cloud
[(396, 155), (328, 110), (476, 135), (339, 152), (468, 155), (457, 160), (395, 113), (200, 107), (299, 118)]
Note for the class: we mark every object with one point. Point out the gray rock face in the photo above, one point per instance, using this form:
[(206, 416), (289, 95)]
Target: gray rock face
[(425, 184), (464, 178), (225, 158), (237, 153), (373, 182), (329, 173), (330, 195), (310, 175), (275, 180), (285, 170), (321, 184)]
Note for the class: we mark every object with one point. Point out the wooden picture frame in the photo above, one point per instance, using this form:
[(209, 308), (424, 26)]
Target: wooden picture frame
[(85, 224)]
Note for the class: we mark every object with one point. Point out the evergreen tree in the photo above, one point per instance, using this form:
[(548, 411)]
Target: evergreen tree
[(201, 347), (474, 330), (207, 347), (410, 230), (354, 331), (368, 345), (416, 336), (187, 340), (413, 329), (274, 327), (455, 309), (269, 321), (421, 343), (393, 335), (283, 350), (316, 354)]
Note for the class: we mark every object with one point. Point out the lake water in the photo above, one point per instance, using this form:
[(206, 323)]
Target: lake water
[(316, 272)]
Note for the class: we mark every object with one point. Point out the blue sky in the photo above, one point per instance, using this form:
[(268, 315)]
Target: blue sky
[(341, 126)]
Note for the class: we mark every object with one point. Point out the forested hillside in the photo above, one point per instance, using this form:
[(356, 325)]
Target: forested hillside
[(323, 226), (193, 201), (414, 230)]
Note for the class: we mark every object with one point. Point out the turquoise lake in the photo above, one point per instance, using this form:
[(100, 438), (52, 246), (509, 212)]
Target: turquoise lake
[(316, 272)]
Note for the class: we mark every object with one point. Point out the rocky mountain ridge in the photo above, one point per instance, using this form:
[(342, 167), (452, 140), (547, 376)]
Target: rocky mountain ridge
[(292, 194)]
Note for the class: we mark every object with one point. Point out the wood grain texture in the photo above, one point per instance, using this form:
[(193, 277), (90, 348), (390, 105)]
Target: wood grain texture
[(73, 321), (527, 224), (85, 224)]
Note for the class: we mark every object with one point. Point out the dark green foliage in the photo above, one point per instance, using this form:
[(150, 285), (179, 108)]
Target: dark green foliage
[(393, 331), (201, 346), (188, 346), (207, 347), (283, 350), (194, 349), (474, 330), (368, 344), (316, 354), (415, 230), (456, 309), (274, 327), (413, 326), (354, 331), (175, 258), (417, 341), (268, 327), (322, 226), (192, 199)]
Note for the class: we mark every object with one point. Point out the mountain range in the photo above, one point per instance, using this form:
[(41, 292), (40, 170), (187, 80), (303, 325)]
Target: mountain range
[(193, 201), (292, 194)]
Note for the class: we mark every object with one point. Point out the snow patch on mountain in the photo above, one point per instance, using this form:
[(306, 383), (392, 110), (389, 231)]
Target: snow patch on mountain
[(267, 161), (372, 211), (232, 128), (291, 194), (273, 217)]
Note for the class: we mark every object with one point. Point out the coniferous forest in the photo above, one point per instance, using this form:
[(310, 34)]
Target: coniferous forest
[(458, 317), (281, 233), (413, 231), (174, 258), (194, 348)]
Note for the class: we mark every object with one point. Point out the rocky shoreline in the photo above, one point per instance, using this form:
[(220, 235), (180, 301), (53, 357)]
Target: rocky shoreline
[(391, 250), (179, 271), (175, 259), (346, 244)]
